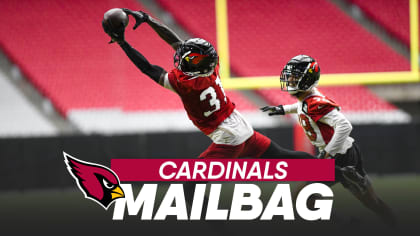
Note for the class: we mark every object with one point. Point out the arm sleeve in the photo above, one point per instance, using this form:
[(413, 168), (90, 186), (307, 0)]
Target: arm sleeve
[(342, 129), (164, 32), (155, 72), (292, 108), (167, 83)]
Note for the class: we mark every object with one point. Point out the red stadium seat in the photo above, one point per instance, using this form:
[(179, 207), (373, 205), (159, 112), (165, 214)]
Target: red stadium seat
[(264, 35), (393, 15), (63, 51)]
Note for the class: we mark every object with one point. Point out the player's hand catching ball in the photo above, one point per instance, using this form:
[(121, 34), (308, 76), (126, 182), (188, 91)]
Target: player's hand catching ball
[(274, 110), (114, 23), (138, 15)]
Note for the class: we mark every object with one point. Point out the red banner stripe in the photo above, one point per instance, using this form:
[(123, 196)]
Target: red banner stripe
[(224, 169)]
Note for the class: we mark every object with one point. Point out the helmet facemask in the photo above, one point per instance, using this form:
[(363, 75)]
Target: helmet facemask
[(289, 79), (300, 74)]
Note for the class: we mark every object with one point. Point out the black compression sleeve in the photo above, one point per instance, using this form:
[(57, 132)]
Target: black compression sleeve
[(153, 71), (275, 151)]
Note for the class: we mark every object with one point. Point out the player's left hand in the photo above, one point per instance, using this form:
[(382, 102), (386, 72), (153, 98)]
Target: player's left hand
[(138, 15), (274, 110)]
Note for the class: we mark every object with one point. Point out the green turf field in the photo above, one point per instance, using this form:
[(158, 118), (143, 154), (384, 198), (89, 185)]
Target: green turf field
[(66, 209)]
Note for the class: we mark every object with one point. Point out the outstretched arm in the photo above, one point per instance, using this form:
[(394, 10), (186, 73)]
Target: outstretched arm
[(117, 35), (280, 109), (161, 29), (155, 72), (165, 33), (292, 108)]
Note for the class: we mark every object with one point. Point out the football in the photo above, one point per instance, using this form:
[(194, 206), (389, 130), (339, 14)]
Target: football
[(115, 18)]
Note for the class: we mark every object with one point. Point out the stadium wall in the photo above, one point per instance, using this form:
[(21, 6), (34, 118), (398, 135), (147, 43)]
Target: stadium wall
[(37, 163)]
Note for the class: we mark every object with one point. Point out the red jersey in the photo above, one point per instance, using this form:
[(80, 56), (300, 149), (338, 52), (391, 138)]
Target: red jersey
[(310, 111), (203, 97)]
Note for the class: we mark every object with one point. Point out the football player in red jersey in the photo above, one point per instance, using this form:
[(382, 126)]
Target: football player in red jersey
[(327, 129), (196, 80)]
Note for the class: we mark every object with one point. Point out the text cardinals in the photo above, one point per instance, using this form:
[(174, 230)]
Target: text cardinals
[(246, 196), (224, 169), (230, 170)]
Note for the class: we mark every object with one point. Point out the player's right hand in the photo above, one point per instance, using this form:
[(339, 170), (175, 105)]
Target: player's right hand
[(274, 110), (138, 15)]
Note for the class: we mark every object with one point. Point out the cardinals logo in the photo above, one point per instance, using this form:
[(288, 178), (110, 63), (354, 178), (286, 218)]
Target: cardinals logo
[(195, 58), (97, 182)]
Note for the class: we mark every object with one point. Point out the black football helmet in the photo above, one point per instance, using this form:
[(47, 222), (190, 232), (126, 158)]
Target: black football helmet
[(300, 74), (196, 57)]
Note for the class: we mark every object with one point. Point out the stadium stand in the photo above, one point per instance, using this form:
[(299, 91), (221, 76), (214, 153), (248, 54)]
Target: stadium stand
[(18, 116), (257, 31), (115, 120), (396, 22), (263, 35), (69, 61), (65, 55)]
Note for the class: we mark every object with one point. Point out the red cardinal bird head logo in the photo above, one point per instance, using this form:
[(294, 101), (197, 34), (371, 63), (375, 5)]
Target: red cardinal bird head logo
[(97, 182)]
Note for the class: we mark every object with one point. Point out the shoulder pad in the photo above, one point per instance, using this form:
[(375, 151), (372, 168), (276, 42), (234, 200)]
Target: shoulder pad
[(319, 106)]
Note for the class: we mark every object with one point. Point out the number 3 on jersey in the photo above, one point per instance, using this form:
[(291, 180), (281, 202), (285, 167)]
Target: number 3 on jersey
[(213, 97)]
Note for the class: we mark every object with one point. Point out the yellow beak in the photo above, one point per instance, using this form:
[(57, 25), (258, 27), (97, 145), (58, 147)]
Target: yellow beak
[(117, 193)]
